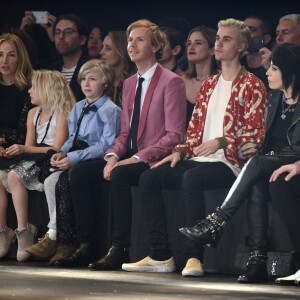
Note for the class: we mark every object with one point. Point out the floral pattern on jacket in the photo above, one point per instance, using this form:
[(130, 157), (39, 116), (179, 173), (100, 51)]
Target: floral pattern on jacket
[(244, 120)]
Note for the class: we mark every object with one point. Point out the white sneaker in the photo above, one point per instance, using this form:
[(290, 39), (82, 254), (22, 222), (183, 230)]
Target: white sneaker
[(150, 265), (193, 268), (292, 279)]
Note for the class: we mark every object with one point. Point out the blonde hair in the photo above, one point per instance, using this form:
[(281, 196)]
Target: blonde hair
[(54, 91), (24, 69), (244, 32), (107, 74), (155, 33)]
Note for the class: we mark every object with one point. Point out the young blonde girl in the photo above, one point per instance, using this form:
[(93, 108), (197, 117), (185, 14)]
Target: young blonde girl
[(46, 129)]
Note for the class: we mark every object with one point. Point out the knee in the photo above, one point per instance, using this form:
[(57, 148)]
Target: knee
[(149, 180), (117, 174), (191, 180), (12, 179)]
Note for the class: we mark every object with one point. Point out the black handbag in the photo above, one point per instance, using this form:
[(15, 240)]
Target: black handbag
[(280, 264)]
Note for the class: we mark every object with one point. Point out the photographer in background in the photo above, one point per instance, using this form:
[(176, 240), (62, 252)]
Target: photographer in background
[(287, 31), (42, 37), (260, 36)]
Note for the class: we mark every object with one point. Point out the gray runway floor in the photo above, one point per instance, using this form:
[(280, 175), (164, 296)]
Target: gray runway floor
[(36, 280)]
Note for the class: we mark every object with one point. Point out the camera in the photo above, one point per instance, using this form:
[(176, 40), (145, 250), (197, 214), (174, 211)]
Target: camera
[(255, 44), (41, 17)]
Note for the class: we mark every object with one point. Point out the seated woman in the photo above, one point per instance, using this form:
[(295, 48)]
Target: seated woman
[(114, 52), (47, 129), (284, 190), (93, 125), (280, 147), (15, 79)]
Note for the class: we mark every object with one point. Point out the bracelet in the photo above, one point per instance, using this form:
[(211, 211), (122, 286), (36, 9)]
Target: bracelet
[(181, 151), (223, 142)]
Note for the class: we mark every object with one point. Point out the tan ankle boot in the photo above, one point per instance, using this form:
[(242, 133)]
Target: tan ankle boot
[(7, 237), (25, 238)]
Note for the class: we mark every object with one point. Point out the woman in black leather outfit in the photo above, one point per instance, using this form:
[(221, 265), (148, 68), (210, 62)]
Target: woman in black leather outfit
[(281, 146)]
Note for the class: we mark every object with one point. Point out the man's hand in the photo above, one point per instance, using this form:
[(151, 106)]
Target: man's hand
[(111, 162), (207, 148), (265, 57), (173, 158)]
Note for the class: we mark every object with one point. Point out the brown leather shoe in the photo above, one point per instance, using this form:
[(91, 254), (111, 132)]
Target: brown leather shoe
[(62, 251), (44, 248)]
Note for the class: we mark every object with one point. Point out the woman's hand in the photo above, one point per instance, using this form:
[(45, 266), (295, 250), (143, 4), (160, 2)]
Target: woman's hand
[(292, 170), (14, 150)]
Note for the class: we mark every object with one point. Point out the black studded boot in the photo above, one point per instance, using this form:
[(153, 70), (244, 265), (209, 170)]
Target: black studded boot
[(208, 231), (256, 268)]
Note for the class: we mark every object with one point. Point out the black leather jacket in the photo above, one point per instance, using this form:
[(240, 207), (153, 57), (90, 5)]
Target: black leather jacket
[(293, 133)]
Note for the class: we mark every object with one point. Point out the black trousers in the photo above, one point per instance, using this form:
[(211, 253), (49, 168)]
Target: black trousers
[(193, 178), (252, 184), (286, 197), (121, 180), (84, 178)]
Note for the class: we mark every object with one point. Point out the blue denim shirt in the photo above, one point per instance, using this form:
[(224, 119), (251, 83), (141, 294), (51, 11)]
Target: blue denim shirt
[(98, 128)]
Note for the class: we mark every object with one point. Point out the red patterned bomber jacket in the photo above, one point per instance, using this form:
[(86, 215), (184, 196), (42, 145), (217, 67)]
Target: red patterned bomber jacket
[(244, 120)]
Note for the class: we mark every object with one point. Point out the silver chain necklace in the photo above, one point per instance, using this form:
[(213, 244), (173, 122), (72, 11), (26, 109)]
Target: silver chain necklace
[(285, 110)]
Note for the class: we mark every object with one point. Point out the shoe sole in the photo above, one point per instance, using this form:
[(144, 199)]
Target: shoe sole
[(192, 273), (149, 269)]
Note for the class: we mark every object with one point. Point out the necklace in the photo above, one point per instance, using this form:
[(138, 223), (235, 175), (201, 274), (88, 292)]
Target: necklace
[(7, 83), (288, 109)]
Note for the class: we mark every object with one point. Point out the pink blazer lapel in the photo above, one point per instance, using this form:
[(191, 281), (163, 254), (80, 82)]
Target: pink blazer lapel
[(147, 100)]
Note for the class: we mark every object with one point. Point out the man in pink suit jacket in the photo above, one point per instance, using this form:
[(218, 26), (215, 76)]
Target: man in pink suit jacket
[(160, 125)]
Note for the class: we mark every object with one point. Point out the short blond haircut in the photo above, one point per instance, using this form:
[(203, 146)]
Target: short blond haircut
[(54, 91), (243, 29), (24, 69), (107, 74), (155, 33)]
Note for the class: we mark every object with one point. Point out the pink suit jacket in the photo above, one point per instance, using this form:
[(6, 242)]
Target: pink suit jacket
[(162, 120)]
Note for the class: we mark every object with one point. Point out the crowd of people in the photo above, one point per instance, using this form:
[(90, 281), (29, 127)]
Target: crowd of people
[(151, 106)]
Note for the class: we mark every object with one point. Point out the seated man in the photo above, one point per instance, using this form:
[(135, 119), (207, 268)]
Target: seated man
[(226, 128)]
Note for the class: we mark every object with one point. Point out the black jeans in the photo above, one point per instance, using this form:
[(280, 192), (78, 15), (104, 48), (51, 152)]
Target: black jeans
[(286, 197), (121, 180), (192, 178), (253, 182), (84, 178)]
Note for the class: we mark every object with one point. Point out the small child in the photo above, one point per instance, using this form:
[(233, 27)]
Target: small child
[(94, 123), (46, 129)]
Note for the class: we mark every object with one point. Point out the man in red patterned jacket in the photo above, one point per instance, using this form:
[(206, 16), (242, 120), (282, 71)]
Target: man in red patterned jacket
[(226, 129)]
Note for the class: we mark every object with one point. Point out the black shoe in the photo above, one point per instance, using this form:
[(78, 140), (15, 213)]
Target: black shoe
[(82, 257), (208, 231), (256, 268), (113, 260)]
